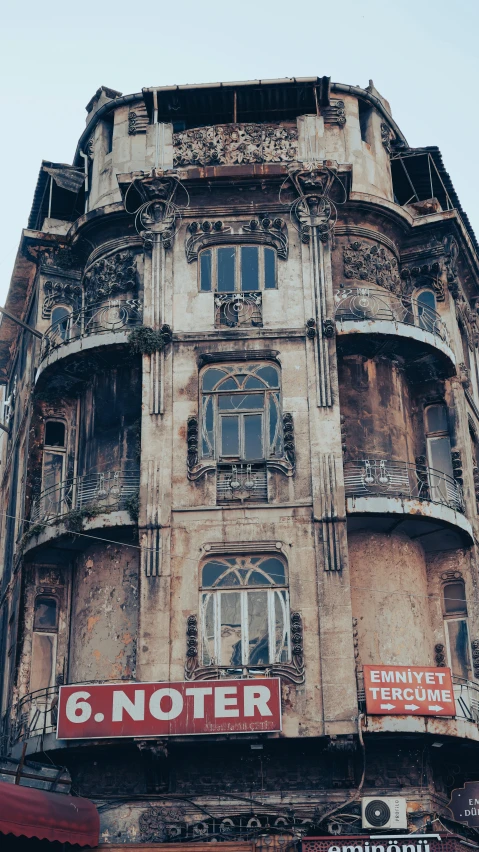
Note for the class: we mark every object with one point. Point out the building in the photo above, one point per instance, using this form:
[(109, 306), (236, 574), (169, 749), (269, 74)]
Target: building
[(239, 443)]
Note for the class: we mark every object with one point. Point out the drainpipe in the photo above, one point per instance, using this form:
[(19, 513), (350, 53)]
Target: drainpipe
[(87, 188)]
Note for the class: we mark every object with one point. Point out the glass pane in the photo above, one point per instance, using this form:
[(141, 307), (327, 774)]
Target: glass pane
[(253, 382), (45, 613), (249, 268), (269, 269), (54, 434), (231, 579), (230, 629), (226, 269), (281, 627), (230, 436), (436, 418), (458, 647), (43, 661), (275, 569), (269, 376), (205, 270), (52, 470), (61, 321), (253, 438), (208, 427), (212, 377), (211, 572), (228, 384), (256, 578), (440, 454), (455, 597), (273, 424), (208, 630), (426, 309), (258, 634), (241, 402)]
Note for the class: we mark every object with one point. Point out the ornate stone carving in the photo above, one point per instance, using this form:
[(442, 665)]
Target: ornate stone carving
[(201, 234), (428, 275), (191, 646), (158, 212), (229, 144), (475, 656), (440, 655), (273, 232), (288, 438), (475, 475), (160, 824), (241, 482), (329, 327), (311, 328), (109, 276), (464, 376), (238, 310), (314, 207), (451, 250), (192, 441), (457, 467), (137, 120), (373, 263), (334, 113), (60, 292)]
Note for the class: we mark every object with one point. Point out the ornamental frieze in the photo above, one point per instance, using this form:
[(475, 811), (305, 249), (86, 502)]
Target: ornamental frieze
[(232, 144), (373, 263), (109, 276)]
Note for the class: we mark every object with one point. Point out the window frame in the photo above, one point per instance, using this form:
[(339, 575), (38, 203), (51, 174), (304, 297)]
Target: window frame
[(457, 617), (431, 436), (237, 248), (272, 403), (51, 450), (275, 591), (417, 303), (65, 337), (52, 634)]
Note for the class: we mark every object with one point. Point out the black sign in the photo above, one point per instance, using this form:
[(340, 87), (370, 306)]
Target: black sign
[(464, 804)]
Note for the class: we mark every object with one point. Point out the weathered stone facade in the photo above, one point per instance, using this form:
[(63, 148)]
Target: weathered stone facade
[(255, 350)]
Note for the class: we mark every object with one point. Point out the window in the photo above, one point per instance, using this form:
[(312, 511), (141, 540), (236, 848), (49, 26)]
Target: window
[(245, 611), (456, 629), (438, 452), (426, 310), (241, 413), (54, 464), (44, 643), (61, 320), (237, 269)]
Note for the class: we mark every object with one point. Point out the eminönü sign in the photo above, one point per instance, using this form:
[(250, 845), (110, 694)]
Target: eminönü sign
[(95, 711), (409, 691)]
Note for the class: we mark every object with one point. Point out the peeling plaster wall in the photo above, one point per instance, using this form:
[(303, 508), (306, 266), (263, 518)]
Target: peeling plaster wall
[(104, 614), (390, 600)]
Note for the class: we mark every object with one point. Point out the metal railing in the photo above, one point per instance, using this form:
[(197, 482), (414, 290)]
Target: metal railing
[(466, 695), (370, 303), (36, 714), (112, 316), (386, 478), (109, 490)]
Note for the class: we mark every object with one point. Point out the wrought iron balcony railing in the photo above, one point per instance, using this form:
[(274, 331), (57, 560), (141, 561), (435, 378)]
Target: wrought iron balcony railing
[(36, 715), (109, 490), (386, 478), (112, 316), (466, 694), (369, 303)]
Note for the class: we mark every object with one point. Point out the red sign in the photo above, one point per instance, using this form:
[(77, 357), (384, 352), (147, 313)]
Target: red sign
[(408, 691), (384, 842), (162, 709)]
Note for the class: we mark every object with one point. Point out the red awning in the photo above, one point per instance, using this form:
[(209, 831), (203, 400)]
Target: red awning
[(28, 812)]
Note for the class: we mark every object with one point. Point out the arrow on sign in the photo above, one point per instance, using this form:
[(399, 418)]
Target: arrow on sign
[(435, 707), (387, 706), (412, 707)]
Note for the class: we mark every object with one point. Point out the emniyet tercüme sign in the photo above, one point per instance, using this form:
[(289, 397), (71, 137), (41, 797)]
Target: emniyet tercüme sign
[(95, 711), (409, 690)]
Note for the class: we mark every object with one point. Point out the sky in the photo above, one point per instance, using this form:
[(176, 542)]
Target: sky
[(421, 54)]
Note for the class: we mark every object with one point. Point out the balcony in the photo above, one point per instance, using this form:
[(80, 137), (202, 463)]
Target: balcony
[(96, 493), (113, 320), (431, 501), (387, 318), (36, 715)]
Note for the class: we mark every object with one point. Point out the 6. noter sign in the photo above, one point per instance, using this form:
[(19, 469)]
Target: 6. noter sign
[(162, 709)]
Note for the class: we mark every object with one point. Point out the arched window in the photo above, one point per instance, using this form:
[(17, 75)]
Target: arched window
[(241, 269), (245, 611), (456, 629), (44, 644), (241, 412), (61, 321), (426, 310), (438, 452)]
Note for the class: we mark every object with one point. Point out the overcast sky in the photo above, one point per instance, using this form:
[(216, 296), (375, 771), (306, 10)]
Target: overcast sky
[(421, 54)]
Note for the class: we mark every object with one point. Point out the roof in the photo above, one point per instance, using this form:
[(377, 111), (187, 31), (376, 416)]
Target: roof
[(68, 180)]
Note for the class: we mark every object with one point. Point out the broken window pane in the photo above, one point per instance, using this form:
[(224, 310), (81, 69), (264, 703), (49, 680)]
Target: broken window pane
[(426, 309), (458, 641), (280, 627), (455, 597), (436, 418), (45, 613), (61, 321), (54, 433), (244, 401)]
